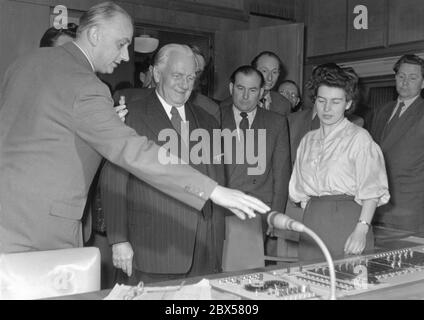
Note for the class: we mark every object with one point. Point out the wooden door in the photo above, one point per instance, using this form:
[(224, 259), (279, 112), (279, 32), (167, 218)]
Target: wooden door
[(236, 48)]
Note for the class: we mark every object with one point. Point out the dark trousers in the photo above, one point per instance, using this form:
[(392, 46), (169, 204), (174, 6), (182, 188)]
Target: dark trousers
[(204, 260)]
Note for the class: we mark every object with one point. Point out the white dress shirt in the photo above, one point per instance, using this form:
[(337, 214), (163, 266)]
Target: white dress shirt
[(168, 107), (404, 108)]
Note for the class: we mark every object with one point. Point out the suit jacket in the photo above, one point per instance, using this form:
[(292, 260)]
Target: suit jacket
[(278, 104), (161, 230), (56, 122), (244, 242), (300, 123), (131, 94), (403, 150), (271, 186), (199, 100)]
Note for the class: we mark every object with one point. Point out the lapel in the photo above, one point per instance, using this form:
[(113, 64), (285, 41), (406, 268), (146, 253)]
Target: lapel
[(228, 122), (155, 116), (194, 123), (407, 121), (382, 121), (78, 54)]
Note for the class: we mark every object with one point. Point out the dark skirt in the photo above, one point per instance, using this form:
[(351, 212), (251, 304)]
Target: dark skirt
[(333, 219)]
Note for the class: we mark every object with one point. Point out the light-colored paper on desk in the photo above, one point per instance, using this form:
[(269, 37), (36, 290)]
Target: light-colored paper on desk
[(198, 291)]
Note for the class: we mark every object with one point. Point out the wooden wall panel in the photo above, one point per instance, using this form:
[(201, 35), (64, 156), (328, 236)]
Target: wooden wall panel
[(326, 27), (21, 28), (375, 35), (233, 49), (406, 21)]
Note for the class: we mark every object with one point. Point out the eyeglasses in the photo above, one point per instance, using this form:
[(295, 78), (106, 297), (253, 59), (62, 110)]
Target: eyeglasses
[(287, 93)]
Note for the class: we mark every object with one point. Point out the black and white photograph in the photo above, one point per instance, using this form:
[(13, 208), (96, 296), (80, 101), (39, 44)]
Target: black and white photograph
[(220, 157)]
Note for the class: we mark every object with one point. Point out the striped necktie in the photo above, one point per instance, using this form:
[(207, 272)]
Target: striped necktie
[(176, 119)]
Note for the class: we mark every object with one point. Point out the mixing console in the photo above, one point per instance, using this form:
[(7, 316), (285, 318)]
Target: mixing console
[(354, 275)]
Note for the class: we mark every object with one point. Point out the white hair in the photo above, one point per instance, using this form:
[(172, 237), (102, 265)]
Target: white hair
[(164, 53)]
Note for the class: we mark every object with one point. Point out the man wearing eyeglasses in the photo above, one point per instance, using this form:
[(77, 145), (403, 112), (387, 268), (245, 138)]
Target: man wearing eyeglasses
[(398, 127), (290, 90)]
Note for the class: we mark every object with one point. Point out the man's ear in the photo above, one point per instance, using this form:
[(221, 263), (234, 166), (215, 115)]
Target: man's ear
[(231, 87), (93, 35), (349, 104), (156, 74)]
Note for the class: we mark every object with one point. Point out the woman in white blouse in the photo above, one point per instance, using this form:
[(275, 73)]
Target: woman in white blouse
[(339, 176)]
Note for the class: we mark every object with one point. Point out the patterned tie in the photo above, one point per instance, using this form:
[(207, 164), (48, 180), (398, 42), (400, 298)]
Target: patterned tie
[(395, 119), (244, 123), (176, 119)]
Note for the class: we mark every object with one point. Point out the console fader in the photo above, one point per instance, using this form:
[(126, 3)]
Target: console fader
[(353, 276)]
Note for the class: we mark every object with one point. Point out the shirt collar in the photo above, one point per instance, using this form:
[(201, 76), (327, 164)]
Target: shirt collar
[(168, 107), (337, 132), (238, 118), (86, 55), (408, 102)]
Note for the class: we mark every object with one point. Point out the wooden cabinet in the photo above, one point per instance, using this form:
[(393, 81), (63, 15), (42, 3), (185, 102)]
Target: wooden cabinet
[(331, 29), (375, 35), (326, 27), (406, 21)]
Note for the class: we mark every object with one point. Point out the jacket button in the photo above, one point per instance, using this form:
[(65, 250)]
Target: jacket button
[(254, 181)]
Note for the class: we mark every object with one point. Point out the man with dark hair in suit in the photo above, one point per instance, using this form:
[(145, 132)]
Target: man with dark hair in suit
[(57, 121), (270, 66), (153, 236), (269, 146), (398, 127)]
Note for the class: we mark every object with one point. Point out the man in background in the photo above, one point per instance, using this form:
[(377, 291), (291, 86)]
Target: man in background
[(197, 98), (398, 127), (244, 242), (290, 90), (270, 66)]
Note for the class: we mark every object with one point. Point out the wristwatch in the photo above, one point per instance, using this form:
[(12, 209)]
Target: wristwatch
[(364, 222)]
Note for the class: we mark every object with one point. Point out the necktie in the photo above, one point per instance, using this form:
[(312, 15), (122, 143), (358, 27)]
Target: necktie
[(244, 123), (176, 119), (389, 126)]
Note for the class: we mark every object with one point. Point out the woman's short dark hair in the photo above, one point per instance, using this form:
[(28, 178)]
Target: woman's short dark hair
[(331, 75), (52, 34)]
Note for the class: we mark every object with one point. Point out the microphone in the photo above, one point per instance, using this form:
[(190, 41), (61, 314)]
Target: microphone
[(281, 221)]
